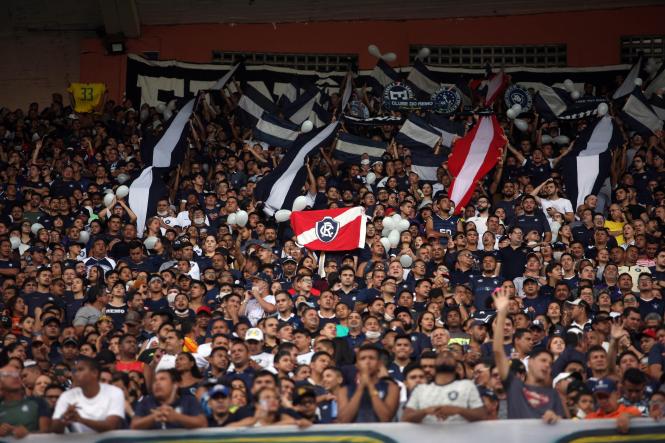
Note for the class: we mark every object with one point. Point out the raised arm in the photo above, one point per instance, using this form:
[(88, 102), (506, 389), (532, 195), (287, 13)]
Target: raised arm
[(501, 302)]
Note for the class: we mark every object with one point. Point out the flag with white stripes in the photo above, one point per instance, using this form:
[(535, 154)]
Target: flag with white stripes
[(417, 132), (382, 75), (168, 151), (144, 193), (495, 86), (280, 187), (425, 163), (473, 157), (275, 131), (350, 148), (657, 103), (256, 99), (586, 167), (638, 115), (422, 80), (629, 83), (657, 83), (449, 129), (555, 103), (337, 229)]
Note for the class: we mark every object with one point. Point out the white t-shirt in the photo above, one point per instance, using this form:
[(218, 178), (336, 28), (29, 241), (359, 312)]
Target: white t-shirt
[(462, 393), (561, 205), (264, 359), (481, 227), (254, 311), (109, 401), (169, 221)]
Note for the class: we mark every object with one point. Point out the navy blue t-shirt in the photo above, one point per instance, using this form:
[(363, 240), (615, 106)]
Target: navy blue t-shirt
[(185, 404)]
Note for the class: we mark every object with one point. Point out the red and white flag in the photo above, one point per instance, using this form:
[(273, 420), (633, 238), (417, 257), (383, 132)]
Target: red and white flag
[(495, 86), (473, 157), (341, 229)]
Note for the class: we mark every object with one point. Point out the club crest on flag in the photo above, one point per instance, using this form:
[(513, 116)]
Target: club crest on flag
[(518, 95), (446, 101), (327, 229)]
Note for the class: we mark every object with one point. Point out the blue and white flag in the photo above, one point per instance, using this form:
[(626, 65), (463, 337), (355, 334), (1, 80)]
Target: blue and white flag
[(638, 115), (350, 148), (586, 167), (417, 132), (422, 80), (382, 75), (255, 100), (555, 103), (280, 187), (629, 83), (449, 129), (275, 131), (425, 163)]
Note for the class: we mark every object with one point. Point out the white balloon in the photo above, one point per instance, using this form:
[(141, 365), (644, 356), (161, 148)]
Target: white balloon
[(403, 225), (602, 109), (36, 227), (150, 242), (15, 241), (423, 53), (282, 215), (517, 108), (396, 218), (511, 114), (374, 50), (385, 232), (371, 178), (386, 243), (231, 219), (109, 199), (638, 81), (389, 57), (306, 126), (122, 178), (84, 236), (299, 203), (568, 84), (406, 261), (168, 114), (393, 237), (171, 105), (160, 108), (241, 218), (521, 124), (561, 140), (575, 95), (122, 191), (388, 223)]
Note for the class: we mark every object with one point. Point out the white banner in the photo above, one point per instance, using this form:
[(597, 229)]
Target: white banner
[(509, 431)]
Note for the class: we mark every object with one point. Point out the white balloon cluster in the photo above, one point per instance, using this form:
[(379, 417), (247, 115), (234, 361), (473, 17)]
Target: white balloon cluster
[(388, 56), (570, 87), (36, 227), (84, 236), (514, 112), (370, 178), (15, 241), (306, 126), (638, 81), (238, 218), (561, 140), (392, 228)]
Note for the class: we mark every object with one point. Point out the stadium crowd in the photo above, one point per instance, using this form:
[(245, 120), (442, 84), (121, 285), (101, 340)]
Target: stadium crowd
[(524, 306)]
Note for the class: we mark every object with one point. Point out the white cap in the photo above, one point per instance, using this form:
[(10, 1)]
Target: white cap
[(254, 334), (560, 377)]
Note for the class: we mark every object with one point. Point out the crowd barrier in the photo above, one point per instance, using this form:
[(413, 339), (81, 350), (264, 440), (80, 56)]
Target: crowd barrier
[(508, 431)]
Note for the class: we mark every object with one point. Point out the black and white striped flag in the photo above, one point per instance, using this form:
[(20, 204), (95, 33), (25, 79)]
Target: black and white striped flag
[(417, 132), (638, 115), (657, 103), (449, 129), (555, 103), (586, 167), (350, 148), (425, 163), (256, 99), (422, 80), (275, 131), (279, 188), (629, 82), (382, 75), (144, 193)]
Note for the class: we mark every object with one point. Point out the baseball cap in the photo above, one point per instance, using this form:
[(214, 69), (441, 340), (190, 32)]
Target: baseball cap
[(651, 333), (579, 302), (288, 258), (601, 316), (70, 342), (302, 393), (156, 277), (562, 376), (218, 391), (605, 386), (50, 320), (132, 318), (537, 324), (254, 334), (530, 279), (204, 310), (487, 392), (262, 276)]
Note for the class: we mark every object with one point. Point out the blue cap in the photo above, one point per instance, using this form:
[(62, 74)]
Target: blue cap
[(262, 276), (218, 390), (604, 386)]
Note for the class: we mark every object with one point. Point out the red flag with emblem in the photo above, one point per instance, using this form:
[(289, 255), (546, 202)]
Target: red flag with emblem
[(341, 229)]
